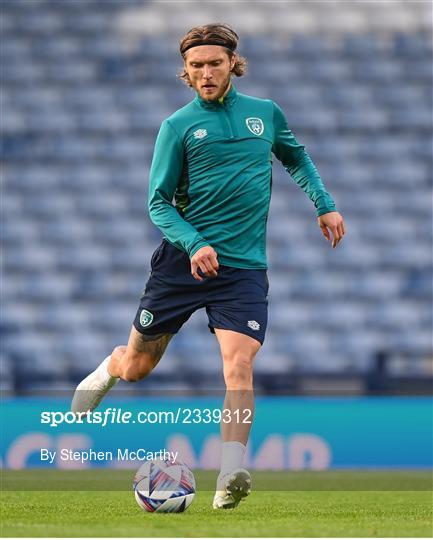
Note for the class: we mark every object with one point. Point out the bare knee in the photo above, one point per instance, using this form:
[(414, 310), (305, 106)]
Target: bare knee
[(238, 371), (118, 352), (135, 361), (131, 366), (137, 367)]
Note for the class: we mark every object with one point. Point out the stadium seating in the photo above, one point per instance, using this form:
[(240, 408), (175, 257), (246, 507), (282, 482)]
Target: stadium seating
[(85, 88)]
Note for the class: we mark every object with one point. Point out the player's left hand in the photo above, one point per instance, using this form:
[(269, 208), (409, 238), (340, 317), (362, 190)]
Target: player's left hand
[(332, 225)]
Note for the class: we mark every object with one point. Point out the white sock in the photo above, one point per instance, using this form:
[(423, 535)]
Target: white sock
[(102, 372), (93, 388), (232, 456)]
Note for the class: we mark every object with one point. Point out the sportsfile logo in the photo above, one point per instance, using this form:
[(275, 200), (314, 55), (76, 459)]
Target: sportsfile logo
[(179, 415)]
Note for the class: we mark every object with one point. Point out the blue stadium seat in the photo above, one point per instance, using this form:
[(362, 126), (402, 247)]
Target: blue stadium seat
[(33, 257), (417, 117), (413, 45), (364, 46)]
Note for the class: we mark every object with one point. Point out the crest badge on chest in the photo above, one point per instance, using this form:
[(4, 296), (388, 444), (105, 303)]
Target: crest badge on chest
[(255, 125)]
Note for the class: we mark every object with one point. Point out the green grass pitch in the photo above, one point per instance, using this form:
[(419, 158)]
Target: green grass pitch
[(366, 504)]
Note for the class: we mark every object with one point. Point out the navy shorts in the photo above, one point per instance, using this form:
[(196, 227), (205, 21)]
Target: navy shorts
[(235, 300)]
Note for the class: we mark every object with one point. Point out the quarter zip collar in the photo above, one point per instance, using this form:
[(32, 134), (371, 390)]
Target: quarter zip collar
[(227, 102)]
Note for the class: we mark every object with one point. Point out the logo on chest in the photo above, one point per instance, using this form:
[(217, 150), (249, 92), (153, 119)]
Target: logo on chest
[(200, 134), (255, 125)]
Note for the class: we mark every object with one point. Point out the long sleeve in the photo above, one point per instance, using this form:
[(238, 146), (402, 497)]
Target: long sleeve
[(165, 173), (299, 165)]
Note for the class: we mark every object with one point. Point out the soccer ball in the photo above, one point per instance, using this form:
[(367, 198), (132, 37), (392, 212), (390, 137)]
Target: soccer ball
[(164, 486)]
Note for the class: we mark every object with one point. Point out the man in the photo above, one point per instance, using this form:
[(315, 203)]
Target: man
[(213, 156)]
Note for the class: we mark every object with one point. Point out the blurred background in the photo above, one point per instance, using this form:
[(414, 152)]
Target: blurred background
[(85, 87)]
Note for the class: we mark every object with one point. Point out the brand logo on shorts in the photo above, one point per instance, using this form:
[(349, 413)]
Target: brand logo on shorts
[(200, 133), (254, 325), (146, 318), (255, 125)]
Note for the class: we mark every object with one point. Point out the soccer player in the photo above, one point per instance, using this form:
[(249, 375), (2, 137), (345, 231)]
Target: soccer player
[(210, 187)]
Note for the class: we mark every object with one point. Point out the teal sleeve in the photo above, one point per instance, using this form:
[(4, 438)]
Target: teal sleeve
[(299, 165), (165, 173)]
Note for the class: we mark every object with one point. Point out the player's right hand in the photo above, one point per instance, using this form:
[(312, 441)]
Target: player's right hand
[(205, 260)]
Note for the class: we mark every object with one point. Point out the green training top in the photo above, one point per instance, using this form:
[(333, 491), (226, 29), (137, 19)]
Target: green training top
[(214, 159)]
